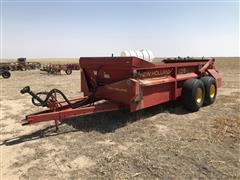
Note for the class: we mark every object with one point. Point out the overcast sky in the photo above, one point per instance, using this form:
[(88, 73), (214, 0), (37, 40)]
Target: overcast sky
[(75, 29)]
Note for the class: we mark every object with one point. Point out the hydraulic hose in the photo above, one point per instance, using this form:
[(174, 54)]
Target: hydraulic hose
[(50, 94), (72, 105)]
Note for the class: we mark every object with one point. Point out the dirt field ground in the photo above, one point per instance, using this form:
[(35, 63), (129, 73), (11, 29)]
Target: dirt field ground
[(162, 142)]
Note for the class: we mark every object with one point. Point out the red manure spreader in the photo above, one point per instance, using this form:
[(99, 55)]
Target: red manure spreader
[(132, 83)]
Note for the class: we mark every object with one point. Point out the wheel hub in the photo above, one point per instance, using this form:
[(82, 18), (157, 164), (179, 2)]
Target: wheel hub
[(212, 91), (199, 95)]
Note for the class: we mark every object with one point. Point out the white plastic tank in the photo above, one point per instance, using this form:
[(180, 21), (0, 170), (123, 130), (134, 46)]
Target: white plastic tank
[(143, 54)]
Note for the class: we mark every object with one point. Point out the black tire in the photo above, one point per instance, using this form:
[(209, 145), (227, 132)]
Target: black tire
[(210, 89), (6, 74), (68, 71), (193, 93)]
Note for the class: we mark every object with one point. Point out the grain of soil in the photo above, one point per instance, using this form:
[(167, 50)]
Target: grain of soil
[(162, 142)]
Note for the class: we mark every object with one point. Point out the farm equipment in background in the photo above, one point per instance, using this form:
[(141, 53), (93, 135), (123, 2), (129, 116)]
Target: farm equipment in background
[(5, 73), (20, 65), (57, 68), (131, 83)]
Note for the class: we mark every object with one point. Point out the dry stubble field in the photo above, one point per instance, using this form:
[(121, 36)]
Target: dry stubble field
[(162, 142)]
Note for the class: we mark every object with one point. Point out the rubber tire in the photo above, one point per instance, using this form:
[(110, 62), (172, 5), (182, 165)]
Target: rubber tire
[(188, 94), (6, 74), (68, 71), (208, 81)]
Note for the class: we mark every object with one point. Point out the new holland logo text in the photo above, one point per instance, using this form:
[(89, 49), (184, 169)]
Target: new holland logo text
[(154, 73)]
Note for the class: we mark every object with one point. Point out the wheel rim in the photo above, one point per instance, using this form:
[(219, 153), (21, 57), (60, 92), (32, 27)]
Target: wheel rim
[(5, 75), (212, 91), (199, 95)]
